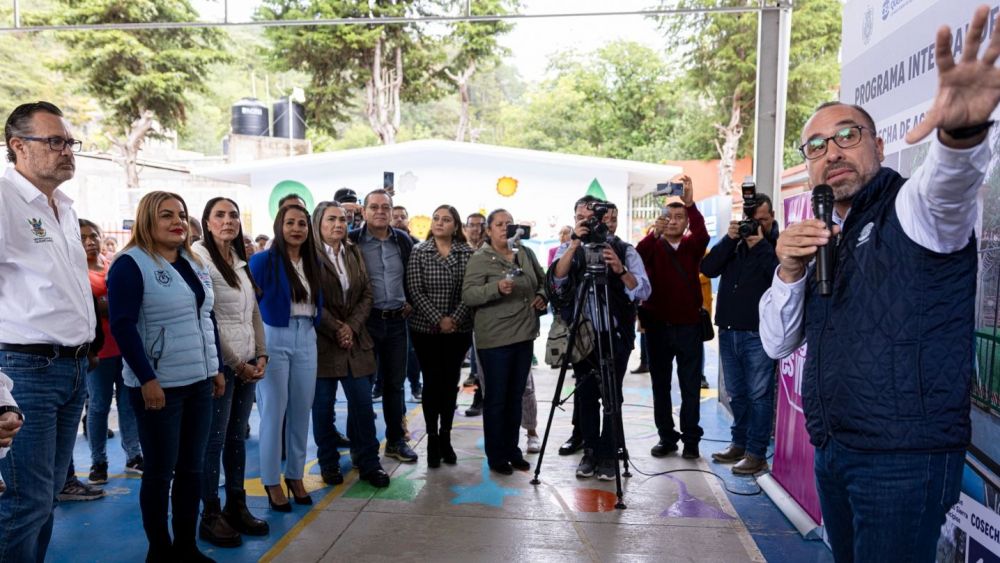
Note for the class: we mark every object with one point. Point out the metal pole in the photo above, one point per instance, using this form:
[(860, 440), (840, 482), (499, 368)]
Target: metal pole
[(384, 20), (774, 37), (17, 14)]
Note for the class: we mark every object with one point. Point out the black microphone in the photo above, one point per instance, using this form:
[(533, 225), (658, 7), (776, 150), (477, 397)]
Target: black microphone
[(822, 202)]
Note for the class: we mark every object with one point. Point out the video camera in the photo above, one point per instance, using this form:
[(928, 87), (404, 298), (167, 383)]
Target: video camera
[(597, 231), (749, 226)]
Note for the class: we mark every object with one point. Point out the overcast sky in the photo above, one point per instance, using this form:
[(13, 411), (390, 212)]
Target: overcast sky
[(533, 40)]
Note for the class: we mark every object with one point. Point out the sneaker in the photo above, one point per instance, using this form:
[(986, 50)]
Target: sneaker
[(470, 381), (641, 368), (534, 444), (750, 465), (401, 451), (606, 470), (74, 489), (98, 473), (587, 465), (134, 465), (661, 449), (690, 451)]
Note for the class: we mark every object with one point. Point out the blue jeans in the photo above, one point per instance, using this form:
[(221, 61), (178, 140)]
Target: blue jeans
[(885, 506), (227, 437), (391, 350), (505, 373), (360, 422), (102, 382), (173, 445), (749, 379), (286, 394), (50, 393)]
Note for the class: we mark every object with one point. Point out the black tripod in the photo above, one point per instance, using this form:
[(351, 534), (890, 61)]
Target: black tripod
[(593, 295)]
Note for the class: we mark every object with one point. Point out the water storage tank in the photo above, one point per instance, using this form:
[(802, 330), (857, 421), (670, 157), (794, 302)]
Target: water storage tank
[(250, 117), (289, 113)]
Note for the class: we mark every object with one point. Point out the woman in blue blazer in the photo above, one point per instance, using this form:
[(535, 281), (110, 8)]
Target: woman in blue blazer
[(290, 301)]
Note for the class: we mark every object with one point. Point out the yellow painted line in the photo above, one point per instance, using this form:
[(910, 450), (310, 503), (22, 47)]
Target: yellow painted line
[(314, 512)]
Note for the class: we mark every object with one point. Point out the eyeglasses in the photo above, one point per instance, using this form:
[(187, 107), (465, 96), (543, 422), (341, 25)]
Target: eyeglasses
[(845, 138), (58, 144)]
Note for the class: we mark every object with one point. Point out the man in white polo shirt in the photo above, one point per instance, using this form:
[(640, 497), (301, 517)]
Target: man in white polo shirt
[(46, 322)]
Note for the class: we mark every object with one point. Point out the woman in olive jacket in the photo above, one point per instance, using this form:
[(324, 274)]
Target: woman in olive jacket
[(506, 285), (345, 351)]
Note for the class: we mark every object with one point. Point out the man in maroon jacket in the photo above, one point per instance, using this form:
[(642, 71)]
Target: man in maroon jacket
[(671, 318)]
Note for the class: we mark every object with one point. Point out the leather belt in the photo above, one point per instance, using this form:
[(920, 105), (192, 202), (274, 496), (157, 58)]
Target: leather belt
[(48, 350), (388, 314)]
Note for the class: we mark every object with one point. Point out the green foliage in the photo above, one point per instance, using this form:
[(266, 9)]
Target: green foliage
[(477, 42), (132, 71), (338, 58), (719, 53)]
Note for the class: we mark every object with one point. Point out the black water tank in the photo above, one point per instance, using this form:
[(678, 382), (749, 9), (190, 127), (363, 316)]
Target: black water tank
[(250, 117), (283, 117)]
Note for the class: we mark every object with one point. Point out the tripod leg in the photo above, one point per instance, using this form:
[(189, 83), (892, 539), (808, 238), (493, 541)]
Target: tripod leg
[(570, 342), (609, 385)]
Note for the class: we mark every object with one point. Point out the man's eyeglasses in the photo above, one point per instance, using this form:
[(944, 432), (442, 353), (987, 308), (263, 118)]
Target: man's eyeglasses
[(58, 144), (845, 138)]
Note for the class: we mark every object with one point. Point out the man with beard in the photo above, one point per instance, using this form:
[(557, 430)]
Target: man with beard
[(886, 384), (47, 322)]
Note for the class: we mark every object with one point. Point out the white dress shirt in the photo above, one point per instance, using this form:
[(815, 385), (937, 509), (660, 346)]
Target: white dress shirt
[(937, 208), (45, 293), (306, 309), (338, 263)]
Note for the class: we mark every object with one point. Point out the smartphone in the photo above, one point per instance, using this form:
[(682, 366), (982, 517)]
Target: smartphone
[(525, 231), (389, 181), (670, 189)]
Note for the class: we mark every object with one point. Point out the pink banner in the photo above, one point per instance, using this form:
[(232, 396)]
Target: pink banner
[(793, 454)]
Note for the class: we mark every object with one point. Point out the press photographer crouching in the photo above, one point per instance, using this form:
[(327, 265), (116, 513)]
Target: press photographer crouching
[(594, 244), (746, 260)]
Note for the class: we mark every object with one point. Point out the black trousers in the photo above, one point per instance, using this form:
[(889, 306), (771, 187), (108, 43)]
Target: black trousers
[(440, 357), (593, 424), (683, 342)]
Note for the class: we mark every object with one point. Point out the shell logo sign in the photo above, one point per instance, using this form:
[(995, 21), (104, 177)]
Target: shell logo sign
[(506, 186)]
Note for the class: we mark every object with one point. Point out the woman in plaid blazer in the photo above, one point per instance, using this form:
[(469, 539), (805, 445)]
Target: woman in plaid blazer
[(441, 325)]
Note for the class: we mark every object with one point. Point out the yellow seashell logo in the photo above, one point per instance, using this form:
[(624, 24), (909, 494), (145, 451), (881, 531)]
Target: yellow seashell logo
[(506, 186)]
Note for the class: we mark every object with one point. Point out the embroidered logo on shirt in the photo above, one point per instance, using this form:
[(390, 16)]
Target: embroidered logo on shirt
[(38, 230), (866, 234), (162, 277)]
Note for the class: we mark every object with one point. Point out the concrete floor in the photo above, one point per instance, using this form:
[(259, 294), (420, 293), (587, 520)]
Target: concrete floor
[(467, 513)]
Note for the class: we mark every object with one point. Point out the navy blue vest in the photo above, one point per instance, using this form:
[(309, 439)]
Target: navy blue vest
[(890, 355)]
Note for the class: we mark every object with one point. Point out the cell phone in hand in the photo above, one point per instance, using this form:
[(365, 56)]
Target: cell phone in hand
[(670, 189)]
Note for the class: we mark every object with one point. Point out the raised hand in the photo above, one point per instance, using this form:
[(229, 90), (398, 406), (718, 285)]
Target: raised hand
[(969, 90)]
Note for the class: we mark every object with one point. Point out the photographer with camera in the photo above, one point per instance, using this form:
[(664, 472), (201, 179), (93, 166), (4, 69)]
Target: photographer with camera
[(593, 242), (672, 318), (746, 260)]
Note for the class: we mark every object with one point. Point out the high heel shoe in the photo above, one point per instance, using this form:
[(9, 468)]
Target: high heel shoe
[(305, 500), (286, 507)]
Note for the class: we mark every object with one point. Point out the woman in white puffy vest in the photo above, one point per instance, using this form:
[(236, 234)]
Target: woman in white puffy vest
[(241, 336), (160, 302)]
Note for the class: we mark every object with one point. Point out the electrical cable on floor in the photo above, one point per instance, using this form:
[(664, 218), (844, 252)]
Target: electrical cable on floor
[(725, 485)]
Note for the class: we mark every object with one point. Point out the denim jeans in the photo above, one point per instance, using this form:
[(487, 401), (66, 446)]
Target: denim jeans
[(285, 395), (360, 422), (505, 372), (595, 423), (664, 343), (441, 357), (103, 382), (749, 379), (50, 393), (391, 349), (173, 445), (885, 506), (227, 437)]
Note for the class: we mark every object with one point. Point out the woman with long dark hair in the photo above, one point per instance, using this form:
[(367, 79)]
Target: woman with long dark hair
[(160, 298), (441, 325), (346, 351), (241, 337), (506, 285), (291, 302)]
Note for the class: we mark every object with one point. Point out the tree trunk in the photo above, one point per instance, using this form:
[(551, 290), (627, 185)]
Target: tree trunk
[(462, 81), (129, 147), (382, 94), (730, 135)]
